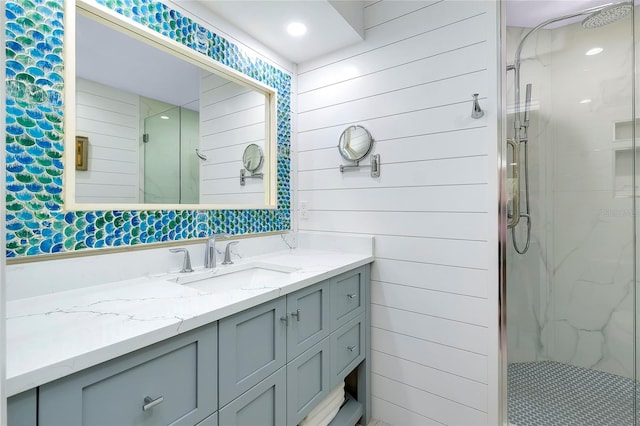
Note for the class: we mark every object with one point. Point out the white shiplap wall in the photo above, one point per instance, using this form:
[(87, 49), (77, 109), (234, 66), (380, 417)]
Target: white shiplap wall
[(110, 119), (433, 210), (231, 118)]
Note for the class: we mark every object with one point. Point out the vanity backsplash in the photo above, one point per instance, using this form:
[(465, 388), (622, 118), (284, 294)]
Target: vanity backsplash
[(36, 221)]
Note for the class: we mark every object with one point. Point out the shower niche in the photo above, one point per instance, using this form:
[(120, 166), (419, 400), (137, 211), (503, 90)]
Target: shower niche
[(623, 152), (623, 172)]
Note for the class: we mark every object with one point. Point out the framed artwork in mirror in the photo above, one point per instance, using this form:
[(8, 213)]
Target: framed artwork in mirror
[(82, 153)]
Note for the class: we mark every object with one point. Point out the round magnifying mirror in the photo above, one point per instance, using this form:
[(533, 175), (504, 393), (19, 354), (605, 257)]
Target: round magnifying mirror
[(252, 157), (355, 143)]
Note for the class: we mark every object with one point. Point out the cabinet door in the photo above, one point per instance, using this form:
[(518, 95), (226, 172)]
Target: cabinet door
[(170, 383), (308, 381), (262, 405), (22, 409), (252, 346), (308, 312), (347, 296)]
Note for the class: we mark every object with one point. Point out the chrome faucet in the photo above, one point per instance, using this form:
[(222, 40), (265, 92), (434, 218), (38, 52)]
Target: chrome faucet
[(210, 251), (186, 261), (227, 253)]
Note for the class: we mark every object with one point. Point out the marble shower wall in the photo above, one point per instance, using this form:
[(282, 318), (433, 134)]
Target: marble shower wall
[(571, 296)]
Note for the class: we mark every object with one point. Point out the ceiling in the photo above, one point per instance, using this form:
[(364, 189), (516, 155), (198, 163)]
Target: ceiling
[(331, 25)]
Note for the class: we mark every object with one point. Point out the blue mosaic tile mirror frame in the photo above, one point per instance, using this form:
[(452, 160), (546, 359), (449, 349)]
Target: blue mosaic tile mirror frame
[(36, 223)]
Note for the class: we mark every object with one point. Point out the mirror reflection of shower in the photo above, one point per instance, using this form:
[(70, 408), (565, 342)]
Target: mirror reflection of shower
[(519, 209)]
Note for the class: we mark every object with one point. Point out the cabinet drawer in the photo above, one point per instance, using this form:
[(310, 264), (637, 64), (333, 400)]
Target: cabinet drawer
[(308, 381), (347, 349), (262, 405), (252, 346), (170, 383), (347, 296), (309, 322)]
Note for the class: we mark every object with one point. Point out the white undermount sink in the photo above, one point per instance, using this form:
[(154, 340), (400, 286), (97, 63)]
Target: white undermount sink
[(245, 276)]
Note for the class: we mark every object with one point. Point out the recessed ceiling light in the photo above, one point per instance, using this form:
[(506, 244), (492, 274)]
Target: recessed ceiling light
[(164, 117), (594, 51), (585, 101), (296, 29)]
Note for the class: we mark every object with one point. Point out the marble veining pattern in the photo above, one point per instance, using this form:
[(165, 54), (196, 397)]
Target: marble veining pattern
[(36, 222), (76, 329), (571, 296)]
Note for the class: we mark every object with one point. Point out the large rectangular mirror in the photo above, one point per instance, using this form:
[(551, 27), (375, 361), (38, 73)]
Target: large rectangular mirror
[(153, 124)]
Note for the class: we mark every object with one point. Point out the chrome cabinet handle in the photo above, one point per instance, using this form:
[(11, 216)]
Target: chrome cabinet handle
[(351, 348), (296, 314), (352, 295), (149, 402), (285, 319)]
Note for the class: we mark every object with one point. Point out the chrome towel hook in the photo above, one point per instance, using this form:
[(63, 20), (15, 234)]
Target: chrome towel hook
[(476, 111)]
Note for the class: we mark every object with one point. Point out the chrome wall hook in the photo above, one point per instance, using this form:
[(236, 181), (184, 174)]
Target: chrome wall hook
[(476, 111)]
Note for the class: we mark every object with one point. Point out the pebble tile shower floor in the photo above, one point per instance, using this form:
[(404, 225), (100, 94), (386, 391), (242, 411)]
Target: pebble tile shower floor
[(549, 393)]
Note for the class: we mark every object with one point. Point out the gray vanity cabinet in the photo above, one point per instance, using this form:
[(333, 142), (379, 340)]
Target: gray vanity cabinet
[(308, 315), (252, 347), (308, 381), (170, 383), (325, 341), (262, 405), (268, 365)]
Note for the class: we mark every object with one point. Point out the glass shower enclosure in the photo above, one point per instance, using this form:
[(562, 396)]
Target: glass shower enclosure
[(571, 254), (171, 164)]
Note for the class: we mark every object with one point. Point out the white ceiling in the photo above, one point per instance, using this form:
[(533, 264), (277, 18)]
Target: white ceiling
[(328, 28)]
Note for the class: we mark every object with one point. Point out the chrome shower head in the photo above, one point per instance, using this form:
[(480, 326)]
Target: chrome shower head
[(607, 15)]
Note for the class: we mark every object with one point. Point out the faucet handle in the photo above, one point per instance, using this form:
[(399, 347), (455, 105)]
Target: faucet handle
[(186, 261), (227, 253)]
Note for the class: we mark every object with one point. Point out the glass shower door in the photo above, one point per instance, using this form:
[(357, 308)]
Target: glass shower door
[(571, 295), (162, 157)]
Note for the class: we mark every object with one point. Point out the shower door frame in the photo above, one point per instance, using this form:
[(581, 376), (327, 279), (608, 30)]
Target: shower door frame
[(502, 213)]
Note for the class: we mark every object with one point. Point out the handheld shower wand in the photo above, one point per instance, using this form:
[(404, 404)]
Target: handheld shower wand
[(527, 108)]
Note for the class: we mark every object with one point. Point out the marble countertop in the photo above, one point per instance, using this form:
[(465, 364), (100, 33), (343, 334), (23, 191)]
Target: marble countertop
[(52, 336)]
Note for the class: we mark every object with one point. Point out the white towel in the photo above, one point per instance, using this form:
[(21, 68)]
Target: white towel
[(330, 404), (327, 419)]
